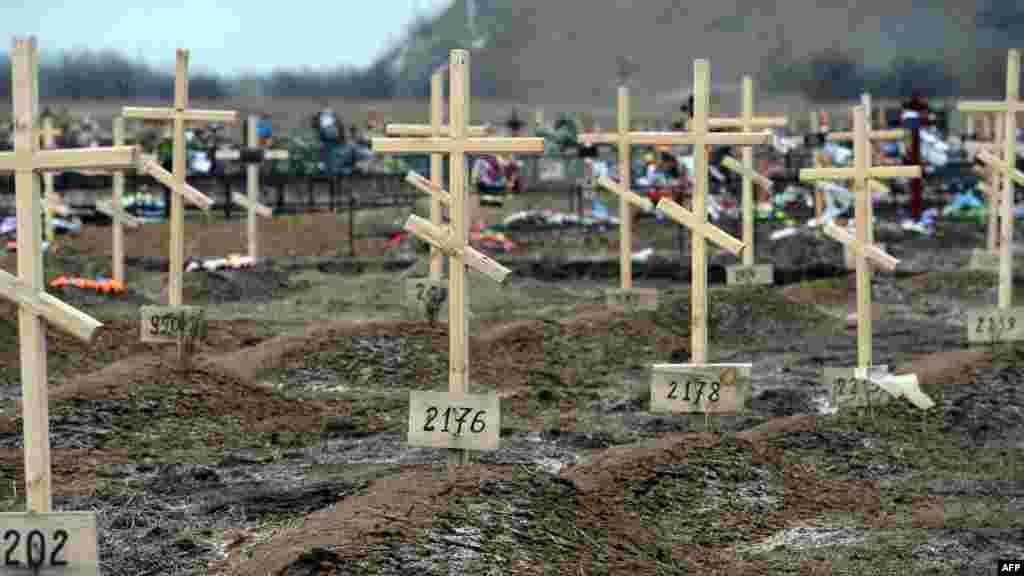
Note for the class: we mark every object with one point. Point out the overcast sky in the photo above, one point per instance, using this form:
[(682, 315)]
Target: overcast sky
[(225, 36)]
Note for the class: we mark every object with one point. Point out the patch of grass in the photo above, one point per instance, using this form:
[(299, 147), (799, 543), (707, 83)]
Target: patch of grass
[(962, 284)]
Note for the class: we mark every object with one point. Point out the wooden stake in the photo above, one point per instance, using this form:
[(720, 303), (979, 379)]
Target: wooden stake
[(48, 134), (861, 173), (457, 144), (1009, 109), (28, 289)]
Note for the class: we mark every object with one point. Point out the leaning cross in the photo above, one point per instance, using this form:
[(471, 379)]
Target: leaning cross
[(453, 239), (747, 122), (179, 115), (435, 129), (1009, 108), (862, 246), (252, 156), (28, 290)]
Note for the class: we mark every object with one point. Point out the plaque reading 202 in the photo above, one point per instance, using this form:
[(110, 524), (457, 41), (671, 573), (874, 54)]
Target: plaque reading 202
[(34, 544)]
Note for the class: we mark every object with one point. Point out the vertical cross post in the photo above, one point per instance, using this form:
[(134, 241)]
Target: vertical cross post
[(1009, 109), (117, 202), (49, 134)]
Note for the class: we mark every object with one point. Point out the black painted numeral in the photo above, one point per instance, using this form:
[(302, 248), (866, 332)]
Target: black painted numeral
[(8, 560), (431, 415)]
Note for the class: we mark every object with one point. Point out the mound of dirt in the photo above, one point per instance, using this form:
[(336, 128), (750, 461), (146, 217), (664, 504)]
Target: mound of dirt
[(260, 283)]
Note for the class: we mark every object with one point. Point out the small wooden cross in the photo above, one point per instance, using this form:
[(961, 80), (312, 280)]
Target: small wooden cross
[(454, 240), (1009, 109), (862, 246), (435, 129), (747, 122), (179, 115), (48, 135), (251, 201), (115, 209), (28, 289), (874, 184), (991, 184)]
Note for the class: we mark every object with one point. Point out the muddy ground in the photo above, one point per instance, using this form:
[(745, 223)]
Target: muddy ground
[(283, 451)]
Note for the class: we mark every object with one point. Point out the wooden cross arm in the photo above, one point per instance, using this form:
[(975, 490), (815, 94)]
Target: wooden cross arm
[(734, 165), (879, 186), (997, 163), (427, 130), (630, 196), (808, 174), (708, 230), (433, 145), (428, 187), (894, 134), (73, 321), (905, 385), (258, 208), (988, 106), (112, 158), (872, 252), (679, 138), (225, 116), (755, 122), (440, 239), (149, 165), (276, 154), (108, 208)]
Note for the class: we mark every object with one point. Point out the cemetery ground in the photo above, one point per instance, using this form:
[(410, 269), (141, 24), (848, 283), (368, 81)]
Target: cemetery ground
[(283, 452)]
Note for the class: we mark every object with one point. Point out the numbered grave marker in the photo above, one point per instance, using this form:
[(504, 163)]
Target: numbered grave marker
[(984, 260), (169, 324), (703, 388), (427, 298), (459, 421), (632, 298), (50, 543), (756, 275), (995, 325), (855, 388)]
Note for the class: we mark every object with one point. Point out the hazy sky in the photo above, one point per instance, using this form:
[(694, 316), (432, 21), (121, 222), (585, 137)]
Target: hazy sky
[(225, 36)]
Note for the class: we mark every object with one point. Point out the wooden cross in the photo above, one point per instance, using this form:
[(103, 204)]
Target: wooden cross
[(119, 218), (454, 238), (435, 129), (873, 184), (1009, 109), (28, 289), (179, 115), (747, 122), (48, 135), (992, 180), (862, 246), (254, 154)]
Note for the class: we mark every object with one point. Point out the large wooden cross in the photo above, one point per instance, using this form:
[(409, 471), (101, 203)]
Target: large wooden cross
[(28, 289), (747, 122), (252, 156), (454, 238), (179, 115), (1007, 165), (435, 129), (863, 247)]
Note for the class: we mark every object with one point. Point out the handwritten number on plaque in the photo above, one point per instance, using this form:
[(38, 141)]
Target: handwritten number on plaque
[(698, 389), (433, 412), (35, 543), (995, 324)]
